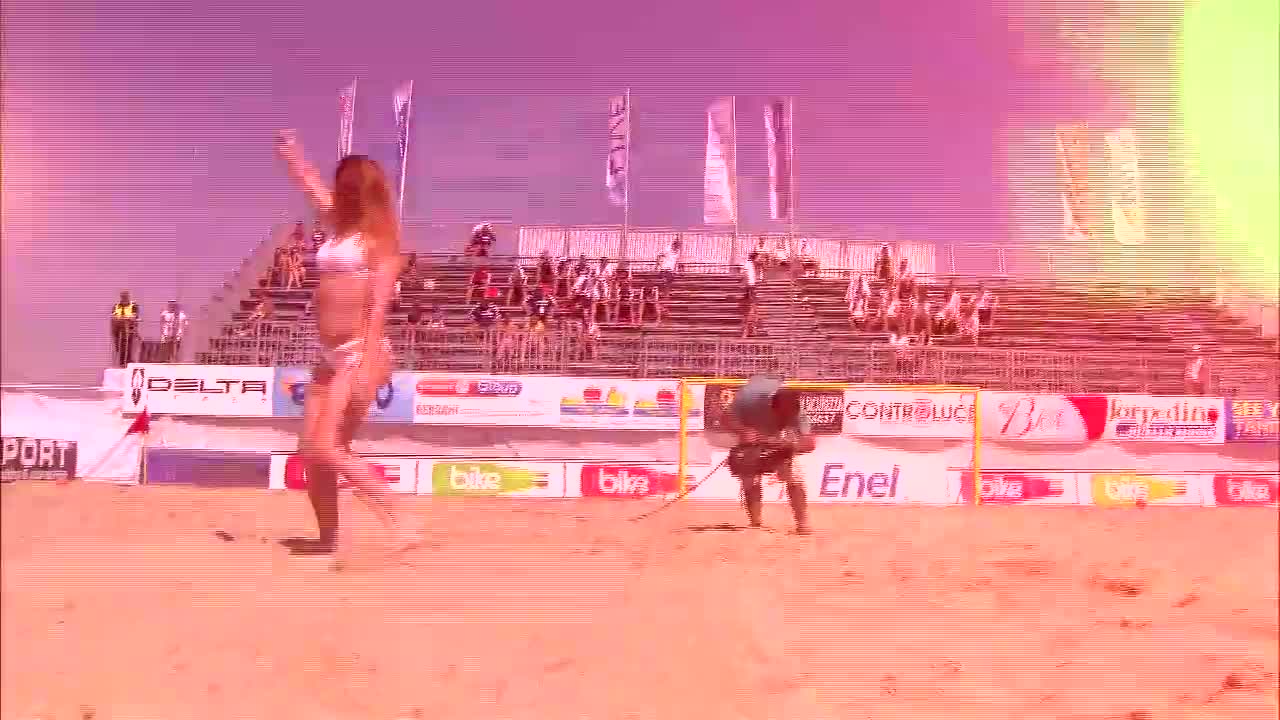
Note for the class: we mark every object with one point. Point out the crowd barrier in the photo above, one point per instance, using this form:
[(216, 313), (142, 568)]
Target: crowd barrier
[(838, 471), (615, 439), (463, 399)]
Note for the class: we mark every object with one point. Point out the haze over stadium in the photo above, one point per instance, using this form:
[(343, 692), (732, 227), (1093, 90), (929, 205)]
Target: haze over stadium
[(983, 294), (137, 136)]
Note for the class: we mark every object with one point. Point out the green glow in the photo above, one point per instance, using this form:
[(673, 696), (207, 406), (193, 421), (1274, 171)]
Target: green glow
[(1229, 67)]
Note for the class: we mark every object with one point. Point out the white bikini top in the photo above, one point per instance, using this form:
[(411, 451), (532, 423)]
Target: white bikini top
[(342, 255)]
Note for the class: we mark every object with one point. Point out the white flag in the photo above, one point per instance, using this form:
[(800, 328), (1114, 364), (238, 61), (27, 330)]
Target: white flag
[(1073, 157), (346, 119), (720, 202), (402, 100), (1128, 215), (616, 177), (777, 125)]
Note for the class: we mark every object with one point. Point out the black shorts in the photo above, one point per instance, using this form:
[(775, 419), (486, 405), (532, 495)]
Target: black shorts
[(984, 315)]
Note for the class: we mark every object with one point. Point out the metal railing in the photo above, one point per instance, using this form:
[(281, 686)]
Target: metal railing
[(650, 356)]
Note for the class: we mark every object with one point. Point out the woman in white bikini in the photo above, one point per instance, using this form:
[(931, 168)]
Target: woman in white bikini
[(357, 266)]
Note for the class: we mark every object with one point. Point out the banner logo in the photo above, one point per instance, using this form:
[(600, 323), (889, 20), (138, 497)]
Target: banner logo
[(1167, 419), (857, 484), (1253, 420), (481, 478), (23, 458), (633, 481)]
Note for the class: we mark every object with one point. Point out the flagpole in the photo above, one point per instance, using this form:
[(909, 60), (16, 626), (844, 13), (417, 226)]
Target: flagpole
[(626, 179)]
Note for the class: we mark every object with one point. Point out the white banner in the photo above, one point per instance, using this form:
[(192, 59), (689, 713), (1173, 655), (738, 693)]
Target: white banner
[(1032, 417), (720, 201), (903, 413), (617, 165), (461, 399), (777, 124), (616, 404), (219, 390), (1188, 419), (1128, 214)]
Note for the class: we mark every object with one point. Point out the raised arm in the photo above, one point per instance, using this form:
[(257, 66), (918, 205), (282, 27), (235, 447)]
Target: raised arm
[(303, 173)]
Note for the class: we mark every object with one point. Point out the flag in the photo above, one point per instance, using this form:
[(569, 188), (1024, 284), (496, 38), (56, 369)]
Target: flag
[(141, 425), (403, 100), (720, 202), (1073, 158), (617, 165), (346, 118), (777, 125), (1128, 216)]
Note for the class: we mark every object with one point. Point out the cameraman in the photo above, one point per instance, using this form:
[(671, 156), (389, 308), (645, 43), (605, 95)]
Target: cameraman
[(770, 431)]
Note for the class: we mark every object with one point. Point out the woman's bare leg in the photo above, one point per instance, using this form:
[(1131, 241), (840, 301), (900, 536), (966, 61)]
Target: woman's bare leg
[(322, 481)]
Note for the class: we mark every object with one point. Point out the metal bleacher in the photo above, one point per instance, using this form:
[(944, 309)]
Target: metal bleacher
[(1048, 335)]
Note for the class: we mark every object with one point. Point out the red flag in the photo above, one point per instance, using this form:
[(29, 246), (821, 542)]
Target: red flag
[(141, 424)]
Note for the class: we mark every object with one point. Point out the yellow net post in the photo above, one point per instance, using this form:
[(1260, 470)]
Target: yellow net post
[(976, 462)]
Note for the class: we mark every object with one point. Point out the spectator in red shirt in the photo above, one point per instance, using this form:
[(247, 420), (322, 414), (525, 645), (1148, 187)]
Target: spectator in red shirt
[(477, 283)]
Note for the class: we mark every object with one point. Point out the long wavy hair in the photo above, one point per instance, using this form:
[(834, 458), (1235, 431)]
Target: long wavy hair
[(362, 203)]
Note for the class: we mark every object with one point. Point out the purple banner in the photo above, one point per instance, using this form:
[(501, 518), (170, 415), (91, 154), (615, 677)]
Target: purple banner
[(207, 468)]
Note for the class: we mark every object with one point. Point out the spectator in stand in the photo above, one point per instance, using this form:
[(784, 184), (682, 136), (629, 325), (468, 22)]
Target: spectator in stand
[(906, 280), (590, 339), (583, 286), (986, 305), (920, 312), (750, 272), (295, 270), (890, 311), (668, 262), (477, 283), (317, 236), (516, 281), (606, 268), (124, 329), (969, 325), (884, 264), (546, 275), (506, 340), (750, 317), (173, 324), (482, 240), (415, 323), (485, 313), (1196, 375), (611, 297), (435, 321), (656, 299), (856, 297), (564, 278), (781, 255), (541, 308), (263, 313), (279, 270), (806, 260), (633, 294), (411, 279), (948, 319)]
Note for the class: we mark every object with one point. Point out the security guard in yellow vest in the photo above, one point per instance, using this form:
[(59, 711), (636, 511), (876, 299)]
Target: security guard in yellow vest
[(124, 329)]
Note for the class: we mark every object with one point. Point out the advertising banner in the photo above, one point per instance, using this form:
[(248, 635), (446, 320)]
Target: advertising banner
[(217, 390), (625, 481), (1246, 488), (1016, 487), (24, 458), (517, 478), (1116, 489), (903, 413), (823, 408), (1252, 421), (1188, 419), (400, 474), (615, 404), (207, 468), (1030, 417), (393, 402), (464, 399)]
